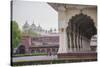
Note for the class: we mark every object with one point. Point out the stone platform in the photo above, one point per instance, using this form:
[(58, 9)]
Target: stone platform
[(77, 56)]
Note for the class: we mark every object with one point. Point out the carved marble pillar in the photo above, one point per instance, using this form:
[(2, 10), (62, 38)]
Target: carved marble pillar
[(63, 47)]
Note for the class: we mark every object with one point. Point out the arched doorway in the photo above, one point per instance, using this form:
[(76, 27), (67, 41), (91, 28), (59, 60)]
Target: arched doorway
[(79, 32), (21, 49)]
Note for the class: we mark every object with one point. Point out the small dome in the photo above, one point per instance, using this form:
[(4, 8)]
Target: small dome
[(33, 26), (26, 25), (39, 28)]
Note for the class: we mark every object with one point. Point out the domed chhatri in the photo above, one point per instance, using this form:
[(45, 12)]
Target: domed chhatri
[(37, 29)]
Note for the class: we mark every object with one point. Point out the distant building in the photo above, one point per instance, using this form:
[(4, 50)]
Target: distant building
[(26, 27), (41, 44), (37, 29), (46, 42)]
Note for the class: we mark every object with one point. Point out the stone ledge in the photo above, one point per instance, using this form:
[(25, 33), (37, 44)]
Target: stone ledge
[(77, 55)]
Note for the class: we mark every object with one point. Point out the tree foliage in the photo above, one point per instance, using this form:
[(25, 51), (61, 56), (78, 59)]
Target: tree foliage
[(16, 34)]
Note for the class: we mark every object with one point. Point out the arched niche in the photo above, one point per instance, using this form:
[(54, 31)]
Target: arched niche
[(79, 31), (20, 49)]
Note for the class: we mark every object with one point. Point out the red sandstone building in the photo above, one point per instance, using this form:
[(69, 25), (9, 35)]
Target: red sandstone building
[(40, 44)]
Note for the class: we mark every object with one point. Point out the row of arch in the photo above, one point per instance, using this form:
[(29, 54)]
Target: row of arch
[(80, 29)]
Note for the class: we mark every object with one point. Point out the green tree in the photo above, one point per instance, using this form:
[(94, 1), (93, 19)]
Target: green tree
[(16, 34)]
